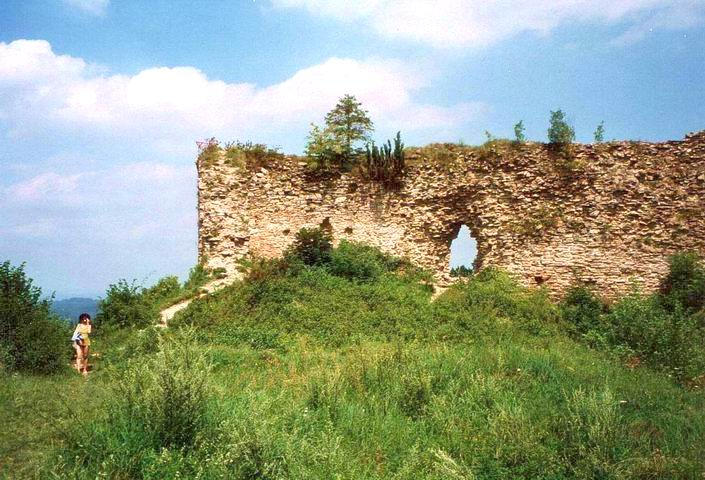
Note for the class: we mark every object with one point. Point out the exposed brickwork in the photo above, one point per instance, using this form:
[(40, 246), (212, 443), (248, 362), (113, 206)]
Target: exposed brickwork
[(609, 217)]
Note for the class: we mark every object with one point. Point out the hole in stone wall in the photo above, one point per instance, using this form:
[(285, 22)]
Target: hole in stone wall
[(286, 231), (348, 230), (326, 225), (463, 251)]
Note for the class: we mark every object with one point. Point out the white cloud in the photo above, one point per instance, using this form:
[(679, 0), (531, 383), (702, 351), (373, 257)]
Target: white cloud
[(84, 229), (44, 90), (144, 197), (477, 23), (93, 7), (48, 184)]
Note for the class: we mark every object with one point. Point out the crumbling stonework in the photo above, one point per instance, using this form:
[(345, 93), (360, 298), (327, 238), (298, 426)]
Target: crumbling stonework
[(606, 215)]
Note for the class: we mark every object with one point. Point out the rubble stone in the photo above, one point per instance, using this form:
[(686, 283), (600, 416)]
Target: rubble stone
[(607, 215)]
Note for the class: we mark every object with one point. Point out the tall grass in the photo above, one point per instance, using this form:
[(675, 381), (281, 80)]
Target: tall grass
[(347, 370)]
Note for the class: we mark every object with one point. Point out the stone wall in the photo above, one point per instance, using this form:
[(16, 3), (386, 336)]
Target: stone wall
[(607, 215)]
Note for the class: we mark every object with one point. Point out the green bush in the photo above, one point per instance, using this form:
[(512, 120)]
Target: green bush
[(165, 289), (461, 271), (519, 136), (670, 341), (356, 261), (559, 131), (125, 305), (599, 134), (251, 155), (685, 283), (498, 296), (312, 245), (198, 276), (384, 163), (581, 309), (31, 338)]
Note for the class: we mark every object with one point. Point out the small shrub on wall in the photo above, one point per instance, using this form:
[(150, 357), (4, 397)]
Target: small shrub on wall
[(685, 283), (251, 155), (384, 163), (560, 132)]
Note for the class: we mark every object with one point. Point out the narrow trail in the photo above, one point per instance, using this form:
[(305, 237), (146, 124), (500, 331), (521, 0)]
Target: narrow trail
[(210, 287)]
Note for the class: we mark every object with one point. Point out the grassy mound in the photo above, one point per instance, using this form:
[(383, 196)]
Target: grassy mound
[(343, 368)]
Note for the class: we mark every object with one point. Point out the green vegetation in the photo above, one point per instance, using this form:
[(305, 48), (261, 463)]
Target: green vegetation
[(32, 339), (238, 154), (250, 155), (600, 132), (560, 132), (312, 246), (665, 330), (346, 125), (519, 135), (461, 271), (341, 366), (385, 164), (131, 305)]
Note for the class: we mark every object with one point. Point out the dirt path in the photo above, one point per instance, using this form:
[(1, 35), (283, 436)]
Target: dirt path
[(169, 312)]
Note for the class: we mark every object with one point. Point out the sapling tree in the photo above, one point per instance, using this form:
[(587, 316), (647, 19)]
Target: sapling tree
[(600, 132), (347, 125), (560, 132), (519, 132)]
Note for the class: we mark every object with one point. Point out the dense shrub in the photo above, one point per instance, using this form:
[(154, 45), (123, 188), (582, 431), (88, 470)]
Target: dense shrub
[(665, 330), (461, 271), (581, 308), (670, 341), (559, 131), (31, 338), (251, 155), (384, 163), (164, 289), (685, 283), (198, 276), (125, 305), (312, 245), (356, 261), (494, 295)]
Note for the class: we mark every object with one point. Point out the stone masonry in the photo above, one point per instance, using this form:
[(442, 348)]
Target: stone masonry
[(607, 215)]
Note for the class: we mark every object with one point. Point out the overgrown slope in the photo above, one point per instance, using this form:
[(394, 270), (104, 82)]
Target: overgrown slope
[(341, 367)]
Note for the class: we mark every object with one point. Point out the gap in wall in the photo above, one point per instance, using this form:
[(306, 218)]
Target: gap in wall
[(463, 251)]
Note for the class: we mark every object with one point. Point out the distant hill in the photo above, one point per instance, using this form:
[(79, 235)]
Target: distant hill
[(71, 308)]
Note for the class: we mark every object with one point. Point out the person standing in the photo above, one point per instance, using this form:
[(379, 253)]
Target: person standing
[(82, 342)]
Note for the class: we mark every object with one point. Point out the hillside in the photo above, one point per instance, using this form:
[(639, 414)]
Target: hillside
[(71, 308), (341, 366)]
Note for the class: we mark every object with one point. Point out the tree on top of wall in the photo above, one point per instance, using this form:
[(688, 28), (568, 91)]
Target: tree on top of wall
[(347, 124), (560, 132)]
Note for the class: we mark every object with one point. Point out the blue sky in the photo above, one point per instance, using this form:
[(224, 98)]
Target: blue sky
[(101, 100)]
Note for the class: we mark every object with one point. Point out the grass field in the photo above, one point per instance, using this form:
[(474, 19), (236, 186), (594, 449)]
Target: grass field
[(320, 373)]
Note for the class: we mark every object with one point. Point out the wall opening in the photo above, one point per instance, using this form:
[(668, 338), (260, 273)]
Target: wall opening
[(463, 251)]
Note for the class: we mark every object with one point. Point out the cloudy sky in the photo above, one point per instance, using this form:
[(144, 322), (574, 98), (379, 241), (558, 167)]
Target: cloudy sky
[(101, 101)]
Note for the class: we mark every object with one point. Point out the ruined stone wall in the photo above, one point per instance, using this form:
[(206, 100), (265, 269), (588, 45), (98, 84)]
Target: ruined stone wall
[(607, 215)]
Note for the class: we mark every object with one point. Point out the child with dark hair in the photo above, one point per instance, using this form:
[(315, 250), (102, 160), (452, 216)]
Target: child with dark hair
[(82, 342)]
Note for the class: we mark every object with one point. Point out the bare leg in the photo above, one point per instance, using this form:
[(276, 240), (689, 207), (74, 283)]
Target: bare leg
[(86, 350), (79, 357)]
